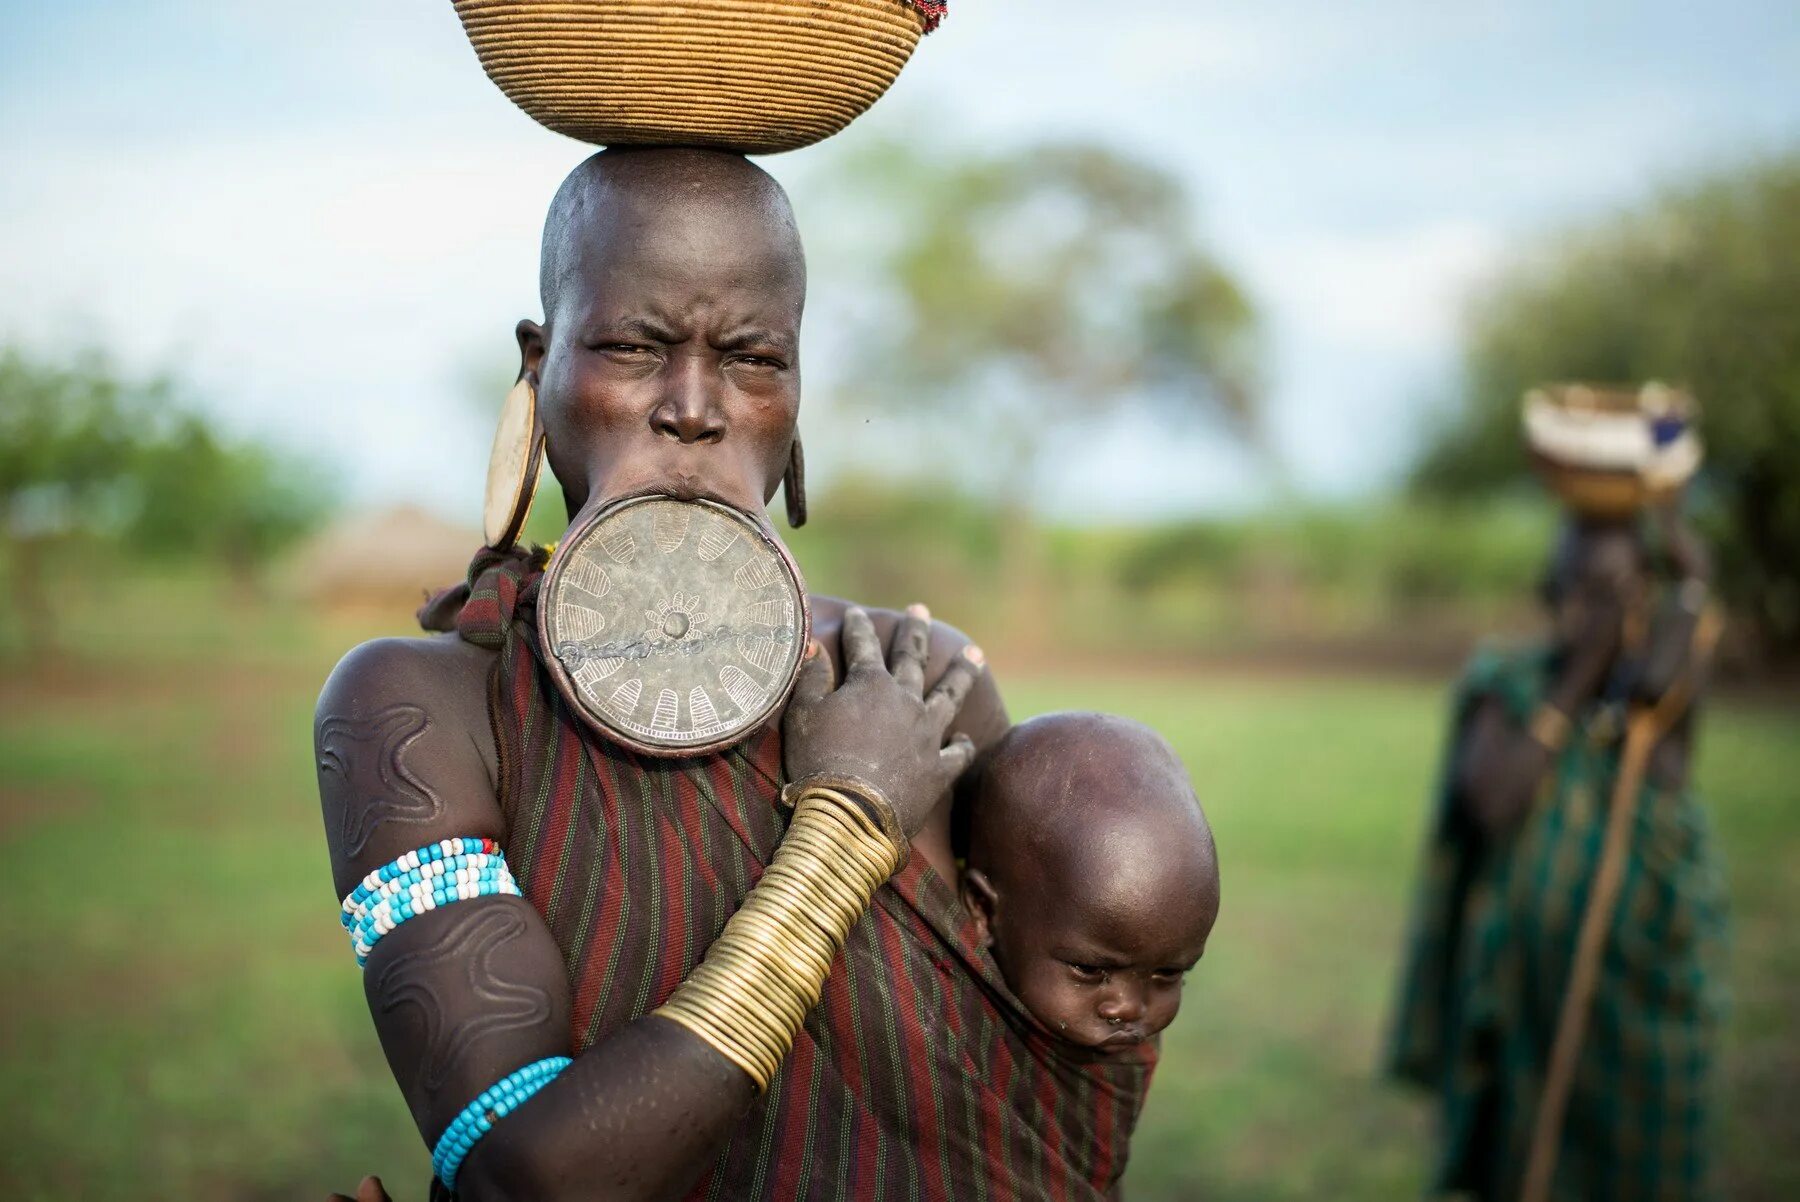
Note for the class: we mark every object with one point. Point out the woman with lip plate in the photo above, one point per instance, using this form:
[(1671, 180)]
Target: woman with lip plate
[(601, 973)]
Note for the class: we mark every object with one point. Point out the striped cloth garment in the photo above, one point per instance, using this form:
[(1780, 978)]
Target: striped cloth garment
[(1492, 943), (919, 1076)]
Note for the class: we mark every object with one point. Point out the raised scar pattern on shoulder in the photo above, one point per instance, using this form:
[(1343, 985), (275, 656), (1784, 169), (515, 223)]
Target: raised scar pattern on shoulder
[(416, 979), (394, 794)]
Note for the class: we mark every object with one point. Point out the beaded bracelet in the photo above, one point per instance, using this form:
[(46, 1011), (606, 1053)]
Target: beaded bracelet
[(437, 874), (478, 1117)]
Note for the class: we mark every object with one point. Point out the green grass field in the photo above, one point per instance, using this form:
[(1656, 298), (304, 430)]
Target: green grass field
[(182, 1018)]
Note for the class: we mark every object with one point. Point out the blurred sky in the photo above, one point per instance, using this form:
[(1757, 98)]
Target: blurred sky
[(325, 217)]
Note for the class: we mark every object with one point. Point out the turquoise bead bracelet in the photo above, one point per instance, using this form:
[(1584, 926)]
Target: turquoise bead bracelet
[(414, 860), (437, 874), (478, 1117)]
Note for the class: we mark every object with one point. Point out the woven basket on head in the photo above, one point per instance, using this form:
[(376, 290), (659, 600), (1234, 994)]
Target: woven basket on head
[(1601, 494), (1610, 451), (756, 76)]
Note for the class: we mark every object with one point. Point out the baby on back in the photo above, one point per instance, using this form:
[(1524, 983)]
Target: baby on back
[(1091, 874)]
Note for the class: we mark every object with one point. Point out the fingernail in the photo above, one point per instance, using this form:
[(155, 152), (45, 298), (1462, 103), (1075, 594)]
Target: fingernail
[(813, 649), (919, 611), (974, 655)]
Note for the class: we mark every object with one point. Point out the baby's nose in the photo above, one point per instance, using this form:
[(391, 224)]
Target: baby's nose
[(1124, 1003)]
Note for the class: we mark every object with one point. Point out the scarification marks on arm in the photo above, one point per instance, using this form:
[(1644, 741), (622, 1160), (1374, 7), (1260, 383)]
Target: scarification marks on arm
[(354, 749), (426, 978)]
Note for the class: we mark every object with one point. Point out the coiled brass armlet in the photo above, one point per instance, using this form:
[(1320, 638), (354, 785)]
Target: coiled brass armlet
[(767, 969), (860, 792)]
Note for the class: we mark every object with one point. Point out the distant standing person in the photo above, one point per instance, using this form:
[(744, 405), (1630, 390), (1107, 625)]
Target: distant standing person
[(1564, 987)]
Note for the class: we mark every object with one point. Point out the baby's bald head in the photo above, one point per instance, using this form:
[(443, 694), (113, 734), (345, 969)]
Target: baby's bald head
[(1078, 789), (1093, 869)]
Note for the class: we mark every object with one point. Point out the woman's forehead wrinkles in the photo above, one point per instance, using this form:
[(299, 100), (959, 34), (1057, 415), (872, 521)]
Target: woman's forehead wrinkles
[(757, 331), (655, 328), (765, 295), (726, 327)]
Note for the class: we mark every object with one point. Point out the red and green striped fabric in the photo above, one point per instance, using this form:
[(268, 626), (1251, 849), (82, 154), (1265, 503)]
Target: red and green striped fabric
[(919, 1076)]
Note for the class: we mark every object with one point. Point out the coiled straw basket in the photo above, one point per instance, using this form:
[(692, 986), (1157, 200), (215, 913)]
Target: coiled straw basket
[(756, 76)]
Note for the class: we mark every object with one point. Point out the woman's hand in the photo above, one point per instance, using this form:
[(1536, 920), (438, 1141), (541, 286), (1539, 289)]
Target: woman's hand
[(370, 1190), (1595, 630), (879, 726), (1607, 584)]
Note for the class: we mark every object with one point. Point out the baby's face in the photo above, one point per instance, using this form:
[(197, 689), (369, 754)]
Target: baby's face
[(1103, 976)]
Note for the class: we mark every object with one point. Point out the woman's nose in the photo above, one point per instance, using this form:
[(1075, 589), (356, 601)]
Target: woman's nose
[(1123, 1003), (690, 410)]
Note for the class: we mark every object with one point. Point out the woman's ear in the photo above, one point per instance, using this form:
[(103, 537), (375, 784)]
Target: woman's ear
[(531, 347), (982, 903)]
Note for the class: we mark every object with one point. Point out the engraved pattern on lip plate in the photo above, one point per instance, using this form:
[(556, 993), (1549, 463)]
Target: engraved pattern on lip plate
[(677, 624)]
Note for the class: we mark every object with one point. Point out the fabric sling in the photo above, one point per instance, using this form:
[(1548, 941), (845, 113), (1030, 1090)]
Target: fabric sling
[(1487, 966), (918, 1076)]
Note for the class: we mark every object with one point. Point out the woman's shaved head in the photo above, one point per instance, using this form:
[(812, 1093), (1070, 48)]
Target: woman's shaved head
[(613, 193)]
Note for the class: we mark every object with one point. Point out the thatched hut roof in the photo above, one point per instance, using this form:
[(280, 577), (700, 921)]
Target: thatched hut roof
[(382, 558)]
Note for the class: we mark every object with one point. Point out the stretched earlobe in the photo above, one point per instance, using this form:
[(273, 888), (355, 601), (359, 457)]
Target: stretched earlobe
[(793, 485), (514, 465), (982, 903)]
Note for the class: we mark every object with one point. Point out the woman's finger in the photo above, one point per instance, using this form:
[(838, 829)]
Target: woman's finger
[(952, 689), (862, 646), (814, 682), (912, 643), (955, 758)]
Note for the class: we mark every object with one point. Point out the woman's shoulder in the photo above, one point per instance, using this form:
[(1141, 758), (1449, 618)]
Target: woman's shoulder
[(426, 662), (441, 678)]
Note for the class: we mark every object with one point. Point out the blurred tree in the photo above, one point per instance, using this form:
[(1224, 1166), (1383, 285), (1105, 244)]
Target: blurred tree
[(1014, 298), (1700, 287), (238, 505), (88, 454), (68, 439), (1021, 294)]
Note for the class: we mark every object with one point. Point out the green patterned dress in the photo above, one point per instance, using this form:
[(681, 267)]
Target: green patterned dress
[(1489, 955)]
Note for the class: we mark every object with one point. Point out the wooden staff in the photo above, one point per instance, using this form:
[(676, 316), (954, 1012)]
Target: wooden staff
[(1643, 731)]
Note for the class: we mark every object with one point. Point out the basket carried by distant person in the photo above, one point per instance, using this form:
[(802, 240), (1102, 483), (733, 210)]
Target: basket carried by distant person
[(1611, 452), (756, 76)]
